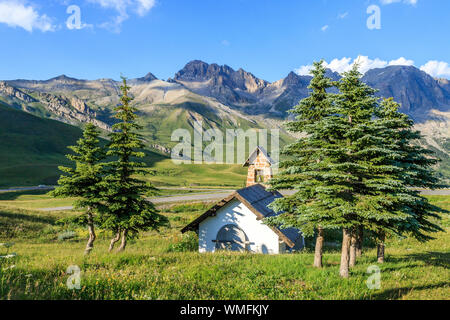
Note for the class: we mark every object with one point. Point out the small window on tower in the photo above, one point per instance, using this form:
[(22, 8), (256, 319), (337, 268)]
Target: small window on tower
[(259, 176)]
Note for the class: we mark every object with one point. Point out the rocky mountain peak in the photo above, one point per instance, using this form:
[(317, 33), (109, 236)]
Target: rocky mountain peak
[(292, 79), (193, 71), (201, 71), (62, 78), (416, 90), (149, 77)]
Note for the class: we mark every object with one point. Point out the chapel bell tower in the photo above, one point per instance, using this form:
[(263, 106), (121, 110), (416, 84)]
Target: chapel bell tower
[(259, 166)]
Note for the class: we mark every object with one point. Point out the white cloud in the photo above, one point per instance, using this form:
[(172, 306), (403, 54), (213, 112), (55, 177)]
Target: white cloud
[(140, 7), (15, 13), (410, 2), (339, 65), (365, 64), (437, 69), (303, 70), (401, 62), (324, 28), (144, 6), (342, 15)]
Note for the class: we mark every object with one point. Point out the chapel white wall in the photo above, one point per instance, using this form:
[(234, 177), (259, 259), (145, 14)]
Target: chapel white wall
[(263, 239)]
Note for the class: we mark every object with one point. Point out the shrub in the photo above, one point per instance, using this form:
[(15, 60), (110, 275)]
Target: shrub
[(188, 242)]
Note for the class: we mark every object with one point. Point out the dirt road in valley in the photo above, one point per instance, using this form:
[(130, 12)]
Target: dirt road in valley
[(218, 195)]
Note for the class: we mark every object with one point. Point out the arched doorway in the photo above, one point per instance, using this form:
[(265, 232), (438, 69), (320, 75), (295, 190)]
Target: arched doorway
[(231, 237)]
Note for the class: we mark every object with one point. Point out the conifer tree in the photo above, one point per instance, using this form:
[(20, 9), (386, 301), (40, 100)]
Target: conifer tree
[(127, 212), (411, 166), (354, 170), (365, 188), (304, 171), (83, 181), (382, 165), (330, 182)]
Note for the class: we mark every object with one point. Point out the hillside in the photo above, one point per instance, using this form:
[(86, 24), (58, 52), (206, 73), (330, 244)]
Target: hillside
[(32, 147)]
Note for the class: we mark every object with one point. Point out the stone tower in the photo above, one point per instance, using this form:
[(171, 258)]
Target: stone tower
[(259, 167)]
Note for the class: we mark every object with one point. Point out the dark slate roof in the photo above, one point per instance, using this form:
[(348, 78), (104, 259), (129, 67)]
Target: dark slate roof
[(260, 198), (257, 199), (292, 233)]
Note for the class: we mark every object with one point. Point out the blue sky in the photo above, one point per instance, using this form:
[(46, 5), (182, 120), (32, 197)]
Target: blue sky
[(269, 38)]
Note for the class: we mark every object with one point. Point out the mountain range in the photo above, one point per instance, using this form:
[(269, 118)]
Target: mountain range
[(223, 98)]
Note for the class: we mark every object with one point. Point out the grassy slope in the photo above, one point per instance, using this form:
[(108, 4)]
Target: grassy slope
[(159, 123), (31, 147), (148, 271), (166, 173), (32, 200)]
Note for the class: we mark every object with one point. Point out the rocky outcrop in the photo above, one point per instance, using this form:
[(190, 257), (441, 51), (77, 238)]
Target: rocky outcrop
[(70, 109), (8, 91), (81, 106)]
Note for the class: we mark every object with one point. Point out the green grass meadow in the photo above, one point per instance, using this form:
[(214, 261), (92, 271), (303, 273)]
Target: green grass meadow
[(32, 151), (167, 173), (165, 265)]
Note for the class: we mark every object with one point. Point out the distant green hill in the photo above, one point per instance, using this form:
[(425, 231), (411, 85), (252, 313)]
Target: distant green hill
[(32, 148)]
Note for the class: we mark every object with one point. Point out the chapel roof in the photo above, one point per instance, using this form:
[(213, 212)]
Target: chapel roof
[(257, 199)]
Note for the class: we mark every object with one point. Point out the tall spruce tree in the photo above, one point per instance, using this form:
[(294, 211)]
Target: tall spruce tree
[(127, 212), (304, 170), (381, 164), (333, 190), (362, 154), (83, 181), (409, 167), (354, 170)]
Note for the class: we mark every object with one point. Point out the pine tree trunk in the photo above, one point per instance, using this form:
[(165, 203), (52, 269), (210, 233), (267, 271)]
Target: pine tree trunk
[(92, 236), (319, 247), (353, 246), (344, 272), (359, 243), (380, 249), (123, 243), (113, 241)]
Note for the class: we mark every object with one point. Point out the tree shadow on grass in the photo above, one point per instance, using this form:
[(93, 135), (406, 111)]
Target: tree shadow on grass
[(20, 217), (13, 195), (437, 259), (398, 293)]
